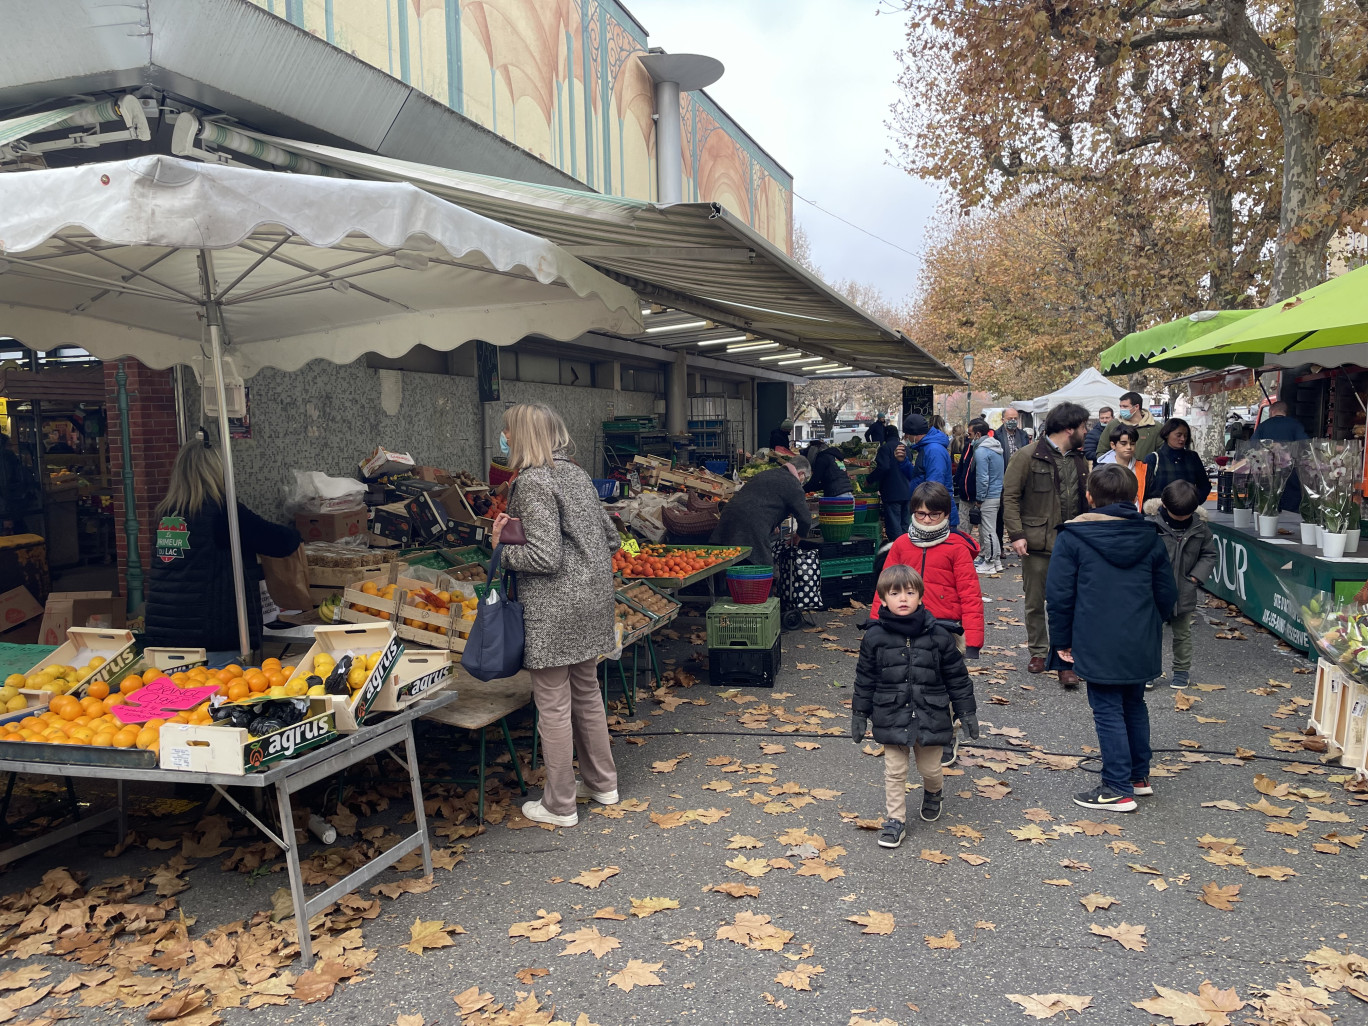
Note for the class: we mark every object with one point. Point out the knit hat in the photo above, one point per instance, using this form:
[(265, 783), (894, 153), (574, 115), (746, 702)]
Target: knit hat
[(786, 424), (916, 424)]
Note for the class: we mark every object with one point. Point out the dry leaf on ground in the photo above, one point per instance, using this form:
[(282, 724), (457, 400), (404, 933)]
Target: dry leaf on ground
[(938, 857), (637, 974), (643, 907), (1219, 897), (1271, 872), (1044, 1006), (431, 934), (736, 889), (538, 930), (755, 931), (1092, 902), (753, 868), (947, 941), (743, 841), (591, 878), (799, 977), (526, 976), (1208, 1007), (1132, 938), (591, 941), (876, 922)]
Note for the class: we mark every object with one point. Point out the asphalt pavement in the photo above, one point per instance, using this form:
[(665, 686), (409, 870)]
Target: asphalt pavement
[(747, 777)]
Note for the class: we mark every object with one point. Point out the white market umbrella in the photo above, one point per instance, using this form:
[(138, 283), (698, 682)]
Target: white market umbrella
[(170, 261), (1090, 390)]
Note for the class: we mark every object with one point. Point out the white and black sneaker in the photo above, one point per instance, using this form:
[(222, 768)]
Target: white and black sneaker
[(1103, 797), (892, 833), (931, 805)]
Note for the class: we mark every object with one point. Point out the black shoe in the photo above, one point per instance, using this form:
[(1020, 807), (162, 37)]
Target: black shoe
[(892, 834), (950, 752), (1102, 797), (931, 805)]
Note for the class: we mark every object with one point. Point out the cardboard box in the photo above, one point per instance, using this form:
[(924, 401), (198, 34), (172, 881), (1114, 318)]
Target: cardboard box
[(330, 526), (392, 523), (418, 674), (382, 462), (351, 712), (460, 511), (115, 646), (428, 517), (434, 474), (18, 606), (68, 609), (231, 750), (458, 534)]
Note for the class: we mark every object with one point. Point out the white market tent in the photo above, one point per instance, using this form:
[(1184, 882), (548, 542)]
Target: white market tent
[(171, 261), (1090, 390)]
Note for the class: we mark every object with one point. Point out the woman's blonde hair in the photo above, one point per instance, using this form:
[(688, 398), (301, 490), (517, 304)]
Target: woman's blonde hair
[(536, 433), (196, 477)]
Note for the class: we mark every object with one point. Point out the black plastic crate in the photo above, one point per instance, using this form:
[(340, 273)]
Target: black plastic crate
[(837, 592), (745, 667), (842, 549)]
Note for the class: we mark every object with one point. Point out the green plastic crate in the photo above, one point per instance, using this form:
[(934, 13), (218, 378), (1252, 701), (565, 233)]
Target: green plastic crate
[(846, 567), (744, 626), (873, 529)]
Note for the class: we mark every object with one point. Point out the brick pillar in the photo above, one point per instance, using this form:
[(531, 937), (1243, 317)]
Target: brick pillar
[(154, 443)]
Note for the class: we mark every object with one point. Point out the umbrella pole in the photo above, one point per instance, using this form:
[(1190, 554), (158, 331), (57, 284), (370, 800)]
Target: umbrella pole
[(229, 483)]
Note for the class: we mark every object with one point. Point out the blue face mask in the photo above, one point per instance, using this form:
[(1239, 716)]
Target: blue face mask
[(1125, 414), (503, 443)]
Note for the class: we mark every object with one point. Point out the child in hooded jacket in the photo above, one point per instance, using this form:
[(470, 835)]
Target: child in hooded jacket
[(1191, 549), (911, 681)]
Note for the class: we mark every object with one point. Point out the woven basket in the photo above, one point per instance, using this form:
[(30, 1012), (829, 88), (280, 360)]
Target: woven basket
[(701, 504), (688, 522), (836, 532)]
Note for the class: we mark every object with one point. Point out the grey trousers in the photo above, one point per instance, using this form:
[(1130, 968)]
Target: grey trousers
[(571, 721), (990, 539)]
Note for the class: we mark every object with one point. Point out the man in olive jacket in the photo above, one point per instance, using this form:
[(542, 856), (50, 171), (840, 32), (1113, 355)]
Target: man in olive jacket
[(1045, 485)]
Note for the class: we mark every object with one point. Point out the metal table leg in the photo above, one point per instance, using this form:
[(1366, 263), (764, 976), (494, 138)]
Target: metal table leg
[(419, 813), (296, 875)]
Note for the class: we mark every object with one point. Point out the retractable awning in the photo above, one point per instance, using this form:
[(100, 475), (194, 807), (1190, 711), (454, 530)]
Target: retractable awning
[(692, 257), (88, 115)]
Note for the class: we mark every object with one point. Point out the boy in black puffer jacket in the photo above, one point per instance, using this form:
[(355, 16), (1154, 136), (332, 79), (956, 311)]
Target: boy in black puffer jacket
[(909, 677)]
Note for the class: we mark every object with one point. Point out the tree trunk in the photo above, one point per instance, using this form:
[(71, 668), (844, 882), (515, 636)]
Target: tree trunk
[(1224, 293), (829, 416)]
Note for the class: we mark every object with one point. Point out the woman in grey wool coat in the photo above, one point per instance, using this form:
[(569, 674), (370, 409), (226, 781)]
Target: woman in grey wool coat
[(565, 583)]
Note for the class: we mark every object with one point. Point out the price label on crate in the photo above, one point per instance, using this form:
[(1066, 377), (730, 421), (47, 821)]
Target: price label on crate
[(160, 700), (631, 546)]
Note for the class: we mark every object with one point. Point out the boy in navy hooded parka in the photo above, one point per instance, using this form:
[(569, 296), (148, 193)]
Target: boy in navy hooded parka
[(1112, 555)]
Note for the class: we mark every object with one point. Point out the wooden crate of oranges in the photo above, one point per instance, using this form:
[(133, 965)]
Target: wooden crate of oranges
[(427, 617)]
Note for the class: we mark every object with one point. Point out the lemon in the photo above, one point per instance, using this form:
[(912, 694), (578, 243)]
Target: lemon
[(16, 703), (372, 660), (95, 662), (277, 692), (15, 680), (296, 688), (356, 676)]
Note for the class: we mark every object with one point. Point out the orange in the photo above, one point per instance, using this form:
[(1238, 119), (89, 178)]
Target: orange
[(259, 685), (276, 678), (125, 738), (29, 722), (104, 739), (146, 737), (116, 700), (99, 689), (238, 691), (234, 669), (83, 733), (70, 711), (154, 724), (92, 706), (130, 684), (225, 676), (270, 664), (83, 720)]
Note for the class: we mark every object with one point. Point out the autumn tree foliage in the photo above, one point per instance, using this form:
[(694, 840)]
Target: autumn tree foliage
[(1253, 110)]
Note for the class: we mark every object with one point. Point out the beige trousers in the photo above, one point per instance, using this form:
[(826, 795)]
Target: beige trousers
[(571, 721), (896, 764)]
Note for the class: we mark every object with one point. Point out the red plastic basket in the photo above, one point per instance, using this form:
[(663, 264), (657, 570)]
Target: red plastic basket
[(749, 593)]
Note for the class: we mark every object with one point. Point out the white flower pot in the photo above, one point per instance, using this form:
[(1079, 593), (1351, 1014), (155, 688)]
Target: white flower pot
[(1268, 526), (1334, 545), (1244, 518), (1352, 544), (1320, 536), (1308, 533)]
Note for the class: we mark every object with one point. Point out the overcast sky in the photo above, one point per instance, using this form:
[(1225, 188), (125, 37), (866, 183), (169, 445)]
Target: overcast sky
[(812, 81)]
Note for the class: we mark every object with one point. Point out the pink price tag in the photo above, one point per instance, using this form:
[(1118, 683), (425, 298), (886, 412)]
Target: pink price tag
[(160, 699)]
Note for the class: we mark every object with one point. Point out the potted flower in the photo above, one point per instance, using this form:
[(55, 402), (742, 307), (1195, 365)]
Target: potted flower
[(1240, 495), (1351, 544)]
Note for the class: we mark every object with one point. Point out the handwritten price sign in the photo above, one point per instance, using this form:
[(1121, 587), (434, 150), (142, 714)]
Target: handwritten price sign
[(160, 699)]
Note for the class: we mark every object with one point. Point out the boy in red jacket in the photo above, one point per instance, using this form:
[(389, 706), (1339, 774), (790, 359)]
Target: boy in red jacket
[(945, 561)]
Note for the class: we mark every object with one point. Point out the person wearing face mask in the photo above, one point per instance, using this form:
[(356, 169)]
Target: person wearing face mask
[(751, 516), (1191, 549), (1045, 485), (1133, 412), (1011, 435)]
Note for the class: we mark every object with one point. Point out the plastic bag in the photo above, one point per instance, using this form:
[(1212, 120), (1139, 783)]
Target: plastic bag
[(315, 492)]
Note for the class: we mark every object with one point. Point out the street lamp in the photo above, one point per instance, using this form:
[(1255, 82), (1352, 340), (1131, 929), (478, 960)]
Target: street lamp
[(968, 382)]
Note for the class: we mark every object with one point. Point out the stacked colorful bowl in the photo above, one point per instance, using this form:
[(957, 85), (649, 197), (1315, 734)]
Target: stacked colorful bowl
[(750, 585), (836, 518)]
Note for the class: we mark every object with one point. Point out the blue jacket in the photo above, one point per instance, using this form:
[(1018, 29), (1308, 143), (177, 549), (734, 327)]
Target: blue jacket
[(892, 476), (930, 461), (989, 468), (1112, 556)]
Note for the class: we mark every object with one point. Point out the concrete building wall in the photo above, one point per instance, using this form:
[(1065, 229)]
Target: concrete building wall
[(328, 417)]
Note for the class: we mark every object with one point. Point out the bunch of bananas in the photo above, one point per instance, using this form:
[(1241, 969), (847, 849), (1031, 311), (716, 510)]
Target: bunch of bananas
[(327, 612)]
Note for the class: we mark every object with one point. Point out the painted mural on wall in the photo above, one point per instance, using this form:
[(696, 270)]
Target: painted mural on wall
[(561, 79)]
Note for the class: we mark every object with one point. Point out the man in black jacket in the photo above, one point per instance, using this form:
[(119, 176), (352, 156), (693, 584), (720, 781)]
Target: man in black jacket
[(828, 471), (878, 431), (1095, 433)]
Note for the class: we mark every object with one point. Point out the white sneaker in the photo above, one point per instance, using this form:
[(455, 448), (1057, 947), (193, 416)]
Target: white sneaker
[(537, 813), (997, 567), (602, 797), (984, 568)]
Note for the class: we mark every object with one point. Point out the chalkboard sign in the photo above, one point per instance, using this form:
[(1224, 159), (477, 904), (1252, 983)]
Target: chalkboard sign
[(487, 371), (918, 399)]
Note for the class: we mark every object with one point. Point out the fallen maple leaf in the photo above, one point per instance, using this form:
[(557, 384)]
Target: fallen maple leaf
[(753, 868), (591, 878), (735, 889), (471, 1000), (643, 907), (1034, 834), (609, 913), (1045, 1006), (744, 841), (772, 749), (799, 977), (876, 922), (1322, 816), (1220, 897), (753, 930), (1092, 829), (538, 930), (1271, 872), (589, 940), (1092, 902), (1267, 785), (1060, 883), (974, 860), (807, 746), (818, 867), (1225, 804), (938, 857), (668, 765), (1208, 1007), (431, 934), (637, 974), (947, 941), (526, 976), (180, 1003), (1269, 809), (1132, 938)]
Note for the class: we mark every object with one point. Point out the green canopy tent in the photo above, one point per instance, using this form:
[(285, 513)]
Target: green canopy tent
[(1327, 325), (1137, 350)]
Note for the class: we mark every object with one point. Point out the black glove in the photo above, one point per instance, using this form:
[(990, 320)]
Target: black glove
[(969, 723), (858, 725), (971, 652)]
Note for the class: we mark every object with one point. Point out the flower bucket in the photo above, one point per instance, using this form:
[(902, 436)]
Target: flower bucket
[(1334, 545), (1320, 536), (1244, 517), (1308, 533), (1353, 540), (1268, 526)]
